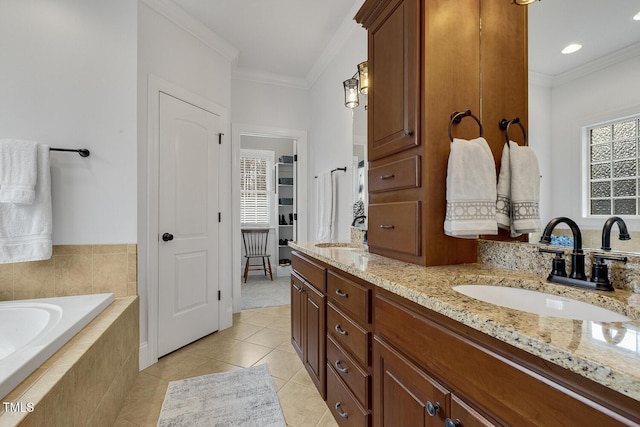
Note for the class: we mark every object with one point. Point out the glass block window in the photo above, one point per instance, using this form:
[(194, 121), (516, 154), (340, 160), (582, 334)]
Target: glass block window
[(614, 166)]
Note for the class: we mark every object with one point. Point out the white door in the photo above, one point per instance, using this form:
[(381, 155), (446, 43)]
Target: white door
[(188, 224)]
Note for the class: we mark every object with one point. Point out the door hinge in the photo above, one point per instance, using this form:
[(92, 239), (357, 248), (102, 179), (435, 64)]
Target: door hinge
[(219, 216), (295, 157), (219, 295), (295, 216), (220, 138)]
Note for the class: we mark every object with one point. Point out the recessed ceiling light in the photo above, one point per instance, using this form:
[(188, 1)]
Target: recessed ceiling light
[(574, 47), (637, 17)]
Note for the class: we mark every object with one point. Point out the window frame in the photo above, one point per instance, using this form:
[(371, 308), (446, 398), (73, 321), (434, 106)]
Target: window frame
[(269, 156)]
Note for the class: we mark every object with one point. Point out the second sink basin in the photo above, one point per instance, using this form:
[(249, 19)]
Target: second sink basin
[(540, 303)]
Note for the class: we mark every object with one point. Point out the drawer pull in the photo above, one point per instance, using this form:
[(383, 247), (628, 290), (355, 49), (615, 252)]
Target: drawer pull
[(387, 226), (388, 176), (432, 409), (451, 423), (340, 331), (340, 411), (342, 294), (340, 368), (298, 288)]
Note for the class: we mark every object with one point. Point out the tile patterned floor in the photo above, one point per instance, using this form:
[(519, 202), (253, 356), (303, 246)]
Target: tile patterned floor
[(258, 336)]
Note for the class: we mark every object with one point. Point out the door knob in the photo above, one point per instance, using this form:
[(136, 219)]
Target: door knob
[(167, 237)]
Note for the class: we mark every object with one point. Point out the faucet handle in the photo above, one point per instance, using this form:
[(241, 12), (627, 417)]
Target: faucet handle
[(600, 271), (600, 258), (558, 265)]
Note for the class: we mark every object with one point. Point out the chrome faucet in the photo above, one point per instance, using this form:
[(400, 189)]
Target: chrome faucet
[(606, 232), (577, 257)]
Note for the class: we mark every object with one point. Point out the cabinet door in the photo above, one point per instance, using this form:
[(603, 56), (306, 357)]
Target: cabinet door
[(314, 336), (394, 75), (462, 415), (403, 395), (297, 296)]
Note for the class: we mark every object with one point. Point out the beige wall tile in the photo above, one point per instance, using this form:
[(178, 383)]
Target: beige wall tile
[(6, 282), (73, 274), (110, 249), (132, 267), (110, 273), (34, 279), (72, 249)]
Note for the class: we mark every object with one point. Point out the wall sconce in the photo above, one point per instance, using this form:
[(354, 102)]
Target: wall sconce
[(357, 84)]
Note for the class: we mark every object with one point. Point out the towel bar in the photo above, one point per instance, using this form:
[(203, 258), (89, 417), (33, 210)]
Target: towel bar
[(82, 151), (344, 169)]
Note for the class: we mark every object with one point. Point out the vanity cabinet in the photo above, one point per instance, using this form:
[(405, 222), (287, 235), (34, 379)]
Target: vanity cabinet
[(308, 317), (428, 59)]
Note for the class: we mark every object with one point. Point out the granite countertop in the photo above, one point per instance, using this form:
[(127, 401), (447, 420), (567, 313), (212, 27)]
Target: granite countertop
[(579, 346)]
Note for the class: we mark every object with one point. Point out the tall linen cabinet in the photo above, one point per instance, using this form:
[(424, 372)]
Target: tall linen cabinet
[(428, 59)]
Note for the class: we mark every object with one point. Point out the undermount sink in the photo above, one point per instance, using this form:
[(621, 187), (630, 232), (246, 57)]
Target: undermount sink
[(540, 303), (337, 245)]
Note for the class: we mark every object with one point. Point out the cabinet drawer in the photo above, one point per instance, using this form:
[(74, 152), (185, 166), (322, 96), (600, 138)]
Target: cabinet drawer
[(348, 334), (343, 405), (309, 270), (396, 175), (353, 375), (395, 226), (351, 296)]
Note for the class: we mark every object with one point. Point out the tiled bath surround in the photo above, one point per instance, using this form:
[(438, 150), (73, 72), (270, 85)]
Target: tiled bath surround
[(525, 257), (73, 270), (86, 381)]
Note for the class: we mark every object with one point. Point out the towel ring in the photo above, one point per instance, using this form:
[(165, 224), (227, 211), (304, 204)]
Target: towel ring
[(505, 124), (457, 116)]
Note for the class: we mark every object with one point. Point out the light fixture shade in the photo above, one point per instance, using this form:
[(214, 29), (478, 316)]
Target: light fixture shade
[(363, 76), (351, 99), (523, 2)]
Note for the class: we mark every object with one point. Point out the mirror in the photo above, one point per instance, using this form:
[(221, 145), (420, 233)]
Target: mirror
[(568, 92), (359, 134)]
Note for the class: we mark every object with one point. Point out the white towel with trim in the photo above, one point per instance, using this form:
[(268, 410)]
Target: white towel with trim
[(326, 206), (471, 190), (18, 171), (25, 230), (518, 202)]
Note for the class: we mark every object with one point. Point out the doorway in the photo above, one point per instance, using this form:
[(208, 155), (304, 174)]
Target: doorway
[(248, 136)]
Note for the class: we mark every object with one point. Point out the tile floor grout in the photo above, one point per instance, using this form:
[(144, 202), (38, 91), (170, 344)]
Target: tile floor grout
[(257, 336)]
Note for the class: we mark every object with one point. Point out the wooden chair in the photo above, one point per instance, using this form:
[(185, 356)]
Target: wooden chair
[(255, 246)]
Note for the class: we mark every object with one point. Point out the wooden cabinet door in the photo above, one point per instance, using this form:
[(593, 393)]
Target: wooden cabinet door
[(297, 320), (314, 336), (394, 74), (403, 395), (463, 415)]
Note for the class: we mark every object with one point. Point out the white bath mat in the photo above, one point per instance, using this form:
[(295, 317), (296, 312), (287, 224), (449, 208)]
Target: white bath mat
[(244, 397)]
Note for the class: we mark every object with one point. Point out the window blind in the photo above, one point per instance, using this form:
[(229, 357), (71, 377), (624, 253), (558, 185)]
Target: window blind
[(255, 178)]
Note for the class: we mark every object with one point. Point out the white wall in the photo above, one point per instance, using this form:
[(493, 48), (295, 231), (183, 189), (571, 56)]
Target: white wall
[(331, 127), (68, 79), (592, 98), (539, 138), (170, 53)]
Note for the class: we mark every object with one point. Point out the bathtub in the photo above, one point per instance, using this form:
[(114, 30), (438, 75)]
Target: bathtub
[(32, 330)]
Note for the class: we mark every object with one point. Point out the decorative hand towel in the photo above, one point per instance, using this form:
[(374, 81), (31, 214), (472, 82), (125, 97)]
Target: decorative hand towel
[(518, 202), (25, 230), (325, 207), (471, 190), (18, 170)]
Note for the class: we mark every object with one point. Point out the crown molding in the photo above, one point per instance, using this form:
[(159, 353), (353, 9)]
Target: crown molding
[(256, 76), (182, 19), (540, 79), (601, 63)]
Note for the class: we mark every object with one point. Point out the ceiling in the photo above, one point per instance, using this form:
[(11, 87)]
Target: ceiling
[(287, 38)]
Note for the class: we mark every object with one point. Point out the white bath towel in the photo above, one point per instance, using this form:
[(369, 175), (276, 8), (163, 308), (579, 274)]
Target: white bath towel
[(326, 192), (25, 230), (518, 202), (18, 170), (471, 190)]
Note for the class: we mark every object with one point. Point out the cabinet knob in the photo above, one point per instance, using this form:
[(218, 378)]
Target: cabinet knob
[(340, 411), (451, 423), (340, 331), (432, 408), (408, 132), (340, 368)]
